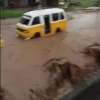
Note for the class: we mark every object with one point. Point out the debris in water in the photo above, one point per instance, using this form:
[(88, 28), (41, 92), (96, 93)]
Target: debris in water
[(63, 75), (65, 70), (94, 51), (4, 95)]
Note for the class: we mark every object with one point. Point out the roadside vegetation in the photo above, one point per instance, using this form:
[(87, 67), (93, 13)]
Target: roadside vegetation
[(11, 13), (79, 4), (76, 4)]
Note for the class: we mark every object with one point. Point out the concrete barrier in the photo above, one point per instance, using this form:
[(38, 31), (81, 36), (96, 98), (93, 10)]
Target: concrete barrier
[(90, 90)]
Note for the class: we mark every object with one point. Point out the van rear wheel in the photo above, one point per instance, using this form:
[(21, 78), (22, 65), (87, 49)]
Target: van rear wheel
[(58, 30)]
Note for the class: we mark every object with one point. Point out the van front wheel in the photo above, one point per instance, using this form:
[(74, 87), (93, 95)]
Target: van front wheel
[(36, 35)]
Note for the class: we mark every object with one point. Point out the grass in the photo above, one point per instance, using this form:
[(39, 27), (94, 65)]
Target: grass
[(18, 13), (83, 4), (86, 3), (11, 13)]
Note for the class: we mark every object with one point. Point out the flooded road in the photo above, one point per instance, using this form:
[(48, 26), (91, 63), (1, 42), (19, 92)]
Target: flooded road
[(21, 60)]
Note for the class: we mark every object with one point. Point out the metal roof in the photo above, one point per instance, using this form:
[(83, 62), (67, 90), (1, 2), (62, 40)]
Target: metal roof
[(43, 12)]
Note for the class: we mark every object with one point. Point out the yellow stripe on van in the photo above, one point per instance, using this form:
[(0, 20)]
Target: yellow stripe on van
[(59, 24)]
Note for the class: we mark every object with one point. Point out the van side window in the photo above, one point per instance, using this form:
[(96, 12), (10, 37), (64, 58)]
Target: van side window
[(55, 17), (62, 16), (36, 21)]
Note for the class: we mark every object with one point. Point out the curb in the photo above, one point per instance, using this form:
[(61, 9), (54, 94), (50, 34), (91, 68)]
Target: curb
[(79, 89)]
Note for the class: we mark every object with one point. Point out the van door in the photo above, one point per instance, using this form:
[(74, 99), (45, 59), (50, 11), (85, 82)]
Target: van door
[(47, 24)]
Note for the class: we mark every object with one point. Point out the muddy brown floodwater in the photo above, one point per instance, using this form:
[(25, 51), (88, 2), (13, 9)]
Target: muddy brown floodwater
[(21, 60)]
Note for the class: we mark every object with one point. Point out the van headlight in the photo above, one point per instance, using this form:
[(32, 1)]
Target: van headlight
[(22, 30), (25, 31)]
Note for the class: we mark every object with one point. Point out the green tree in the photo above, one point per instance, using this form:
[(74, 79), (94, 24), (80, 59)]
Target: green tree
[(67, 1)]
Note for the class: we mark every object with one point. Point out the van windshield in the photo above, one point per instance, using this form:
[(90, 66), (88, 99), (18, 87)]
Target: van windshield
[(25, 20)]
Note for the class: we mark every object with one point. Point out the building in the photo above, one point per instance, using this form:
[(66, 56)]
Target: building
[(17, 3), (27, 3), (49, 2)]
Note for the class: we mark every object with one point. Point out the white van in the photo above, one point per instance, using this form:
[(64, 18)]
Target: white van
[(43, 22)]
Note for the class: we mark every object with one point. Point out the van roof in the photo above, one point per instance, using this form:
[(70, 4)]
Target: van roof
[(43, 12)]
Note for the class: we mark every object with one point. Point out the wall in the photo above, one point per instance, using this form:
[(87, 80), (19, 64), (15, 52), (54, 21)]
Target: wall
[(24, 3), (89, 90), (5, 3), (49, 2), (52, 2)]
